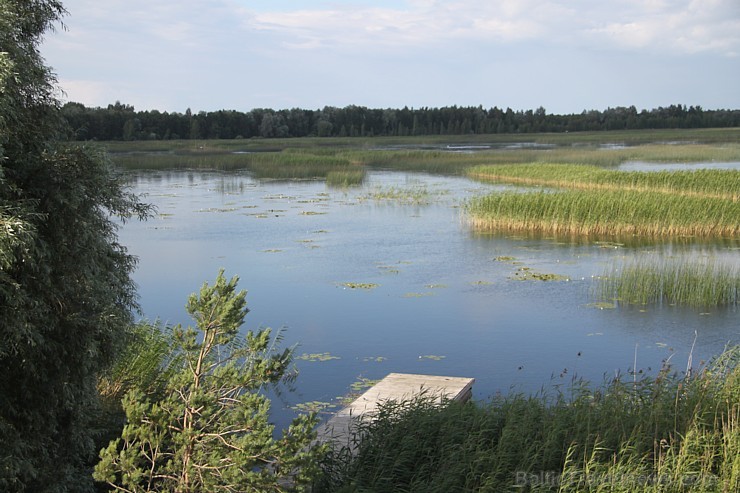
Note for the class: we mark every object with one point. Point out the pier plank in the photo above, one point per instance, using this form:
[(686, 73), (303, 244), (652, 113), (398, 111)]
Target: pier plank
[(340, 428)]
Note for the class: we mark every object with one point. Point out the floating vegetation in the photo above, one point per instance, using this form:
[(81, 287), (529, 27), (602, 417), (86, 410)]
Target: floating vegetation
[(526, 274), (417, 295), (312, 213), (504, 258), (272, 250), (362, 384), (320, 231), (436, 286), (217, 209), (691, 282), (416, 195), (359, 285), (481, 283), (376, 359), (312, 406), (317, 357), (432, 357)]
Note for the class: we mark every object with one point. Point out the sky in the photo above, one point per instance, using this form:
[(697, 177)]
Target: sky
[(564, 55)]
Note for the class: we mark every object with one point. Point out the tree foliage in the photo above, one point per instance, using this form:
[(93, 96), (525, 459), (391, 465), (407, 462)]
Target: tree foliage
[(122, 122), (65, 290), (208, 429)]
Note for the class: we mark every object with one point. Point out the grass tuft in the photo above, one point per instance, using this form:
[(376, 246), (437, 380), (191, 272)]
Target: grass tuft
[(670, 432)]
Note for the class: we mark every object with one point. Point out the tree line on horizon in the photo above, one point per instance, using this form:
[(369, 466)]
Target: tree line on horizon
[(122, 122)]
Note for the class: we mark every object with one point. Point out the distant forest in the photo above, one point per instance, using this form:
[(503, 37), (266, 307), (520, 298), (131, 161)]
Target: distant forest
[(122, 122)]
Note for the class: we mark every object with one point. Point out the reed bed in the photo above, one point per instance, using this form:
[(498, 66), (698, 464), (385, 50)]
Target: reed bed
[(346, 178), (697, 283), (703, 183), (265, 165), (610, 213), (668, 432)]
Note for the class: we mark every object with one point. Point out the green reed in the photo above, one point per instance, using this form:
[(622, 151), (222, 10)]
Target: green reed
[(681, 428), (702, 182), (692, 282), (605, 212), (346, 178)]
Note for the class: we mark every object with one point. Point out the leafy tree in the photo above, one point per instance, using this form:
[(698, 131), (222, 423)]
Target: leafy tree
[(65, 289), (208, 430)]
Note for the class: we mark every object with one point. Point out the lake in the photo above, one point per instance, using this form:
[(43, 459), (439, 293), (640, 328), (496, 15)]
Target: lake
[(447, 301)]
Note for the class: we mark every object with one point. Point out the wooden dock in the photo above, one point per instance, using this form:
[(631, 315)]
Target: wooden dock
[(398, 387)]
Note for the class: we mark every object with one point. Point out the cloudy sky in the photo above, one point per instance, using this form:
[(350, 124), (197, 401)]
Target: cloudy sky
[(565, 55)]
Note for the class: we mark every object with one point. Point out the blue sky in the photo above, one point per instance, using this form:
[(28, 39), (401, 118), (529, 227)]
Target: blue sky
[(567, 56)]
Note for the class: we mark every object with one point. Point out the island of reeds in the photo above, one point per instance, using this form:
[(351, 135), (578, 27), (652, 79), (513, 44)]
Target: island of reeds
[(698, 283), (589, 200)]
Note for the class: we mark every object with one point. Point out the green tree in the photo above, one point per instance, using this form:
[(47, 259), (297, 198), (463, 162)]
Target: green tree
[(65, 288), (209, 429)]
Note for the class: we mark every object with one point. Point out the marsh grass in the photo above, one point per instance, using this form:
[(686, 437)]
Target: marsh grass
[(670, 432), (696, 283), (702, 183), (429, 154), (284, 165), (605, 213), (346, 178), (401, 195)]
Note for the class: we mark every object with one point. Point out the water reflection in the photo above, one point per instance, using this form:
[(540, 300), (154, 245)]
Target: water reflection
[(441, 289)]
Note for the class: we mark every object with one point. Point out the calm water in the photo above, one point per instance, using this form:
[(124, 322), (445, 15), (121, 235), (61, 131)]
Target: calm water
[(445, 302)]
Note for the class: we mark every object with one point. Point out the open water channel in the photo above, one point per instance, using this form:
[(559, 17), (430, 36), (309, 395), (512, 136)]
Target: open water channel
[(446, 300)]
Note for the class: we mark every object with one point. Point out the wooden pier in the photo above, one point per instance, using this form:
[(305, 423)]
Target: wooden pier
[(398, 387)]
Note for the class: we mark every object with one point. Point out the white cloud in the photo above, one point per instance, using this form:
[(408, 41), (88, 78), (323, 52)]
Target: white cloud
[(681, 26), (212, 54)]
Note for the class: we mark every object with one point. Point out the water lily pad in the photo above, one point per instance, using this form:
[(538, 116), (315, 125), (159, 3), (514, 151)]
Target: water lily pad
[(377, 359), (312, 406), (432, 357), (317, 357), (362, 384), (359, 285), (526, 274)]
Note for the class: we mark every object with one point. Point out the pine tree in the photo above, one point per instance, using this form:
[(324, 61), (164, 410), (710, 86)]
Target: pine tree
[(209, 429)]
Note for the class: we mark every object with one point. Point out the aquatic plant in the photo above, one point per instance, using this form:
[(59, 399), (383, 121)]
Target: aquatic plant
[(317, 357), (703, 182), (686, 281), (605, 213), (359, 285), (667, 432)]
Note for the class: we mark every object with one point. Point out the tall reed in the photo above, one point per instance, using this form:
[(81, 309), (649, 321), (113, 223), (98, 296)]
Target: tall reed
[(705, 183), (610, 213), (685, 281), (669, 432)]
